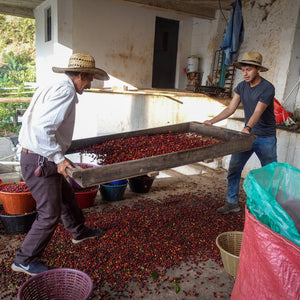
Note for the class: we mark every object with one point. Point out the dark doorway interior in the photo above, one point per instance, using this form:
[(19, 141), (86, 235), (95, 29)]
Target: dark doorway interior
[(165, 53)]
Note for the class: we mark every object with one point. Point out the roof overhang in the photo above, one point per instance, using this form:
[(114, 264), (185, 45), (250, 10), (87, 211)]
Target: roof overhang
[(198, 8)]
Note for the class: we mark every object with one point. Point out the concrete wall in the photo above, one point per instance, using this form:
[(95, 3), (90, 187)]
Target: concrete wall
[(207, 37), (291, 97), (106, 113), (270, 28)]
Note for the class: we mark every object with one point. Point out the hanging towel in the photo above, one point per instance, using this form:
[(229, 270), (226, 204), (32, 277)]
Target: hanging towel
[(234, 35)]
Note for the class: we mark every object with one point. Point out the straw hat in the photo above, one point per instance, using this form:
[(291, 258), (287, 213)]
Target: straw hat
[(80, 62), (251, 58)]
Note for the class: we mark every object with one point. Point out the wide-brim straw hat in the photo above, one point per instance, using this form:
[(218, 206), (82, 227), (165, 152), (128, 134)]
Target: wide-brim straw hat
[(80, 62), (251, 58)]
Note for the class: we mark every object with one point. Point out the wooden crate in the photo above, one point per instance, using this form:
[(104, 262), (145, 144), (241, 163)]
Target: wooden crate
[(233, 142)]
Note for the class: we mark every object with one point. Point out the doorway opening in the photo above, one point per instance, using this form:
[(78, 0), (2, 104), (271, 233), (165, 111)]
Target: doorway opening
[(165, 53)]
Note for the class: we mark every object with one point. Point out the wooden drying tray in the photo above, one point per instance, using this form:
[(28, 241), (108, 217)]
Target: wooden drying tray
[(233, 142)]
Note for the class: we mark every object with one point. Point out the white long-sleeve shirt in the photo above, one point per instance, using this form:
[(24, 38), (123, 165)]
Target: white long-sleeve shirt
[(48, 123)]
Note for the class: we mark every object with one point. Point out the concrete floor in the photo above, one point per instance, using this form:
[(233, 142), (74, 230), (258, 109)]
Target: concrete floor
[(208, 280)]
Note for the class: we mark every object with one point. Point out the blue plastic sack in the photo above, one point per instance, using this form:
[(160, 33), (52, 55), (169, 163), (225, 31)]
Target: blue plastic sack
[(273, 197)]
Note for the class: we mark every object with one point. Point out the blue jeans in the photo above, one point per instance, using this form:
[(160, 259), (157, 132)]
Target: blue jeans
[(264, 148)]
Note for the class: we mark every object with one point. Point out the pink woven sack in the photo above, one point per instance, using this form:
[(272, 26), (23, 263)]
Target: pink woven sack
[(269, 264)]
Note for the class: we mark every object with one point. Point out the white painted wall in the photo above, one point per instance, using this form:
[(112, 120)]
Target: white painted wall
[(109, 113), (207, 37), (53, 53), (102, 113), (121, 38)]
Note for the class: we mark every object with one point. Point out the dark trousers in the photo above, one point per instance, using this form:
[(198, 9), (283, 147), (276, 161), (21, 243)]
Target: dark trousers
[(55, 200)]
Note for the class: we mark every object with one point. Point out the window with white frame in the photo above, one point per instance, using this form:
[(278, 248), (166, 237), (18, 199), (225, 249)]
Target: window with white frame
[(48, 25)]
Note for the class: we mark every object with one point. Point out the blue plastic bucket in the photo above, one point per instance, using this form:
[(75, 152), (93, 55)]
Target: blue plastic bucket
[(118, 182), (113, 192)]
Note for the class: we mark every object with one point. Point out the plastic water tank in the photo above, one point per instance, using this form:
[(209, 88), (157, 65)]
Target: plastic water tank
[(192, 64)]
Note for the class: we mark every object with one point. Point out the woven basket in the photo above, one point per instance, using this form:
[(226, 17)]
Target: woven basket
[(57, 284), (229, 244), (17, 203)]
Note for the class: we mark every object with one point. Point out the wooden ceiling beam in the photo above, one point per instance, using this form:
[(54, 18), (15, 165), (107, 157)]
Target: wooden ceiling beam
[(22, 3), (224, 4), (177, 6), (23, 12), (197, 8)]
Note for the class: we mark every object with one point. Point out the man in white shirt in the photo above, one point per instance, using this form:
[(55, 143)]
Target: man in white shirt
[(45, 136)]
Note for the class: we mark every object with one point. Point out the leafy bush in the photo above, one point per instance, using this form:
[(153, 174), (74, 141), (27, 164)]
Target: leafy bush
[(14, 73), (17, 66), (8, 117)]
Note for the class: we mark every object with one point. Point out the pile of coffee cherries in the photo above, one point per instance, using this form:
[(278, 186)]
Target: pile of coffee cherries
[(14, 188), (125, 149)]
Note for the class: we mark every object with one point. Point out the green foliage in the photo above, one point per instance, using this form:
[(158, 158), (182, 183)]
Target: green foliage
[(17, 66), (17, 35), (154, 275), (7, 115), (14, 72), (177, 287), (17, 51)]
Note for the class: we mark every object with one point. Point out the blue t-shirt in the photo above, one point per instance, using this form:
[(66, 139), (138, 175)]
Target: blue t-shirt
[(263, 92)]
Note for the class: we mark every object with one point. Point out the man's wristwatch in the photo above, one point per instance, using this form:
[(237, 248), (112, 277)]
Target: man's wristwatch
[(248, 127)]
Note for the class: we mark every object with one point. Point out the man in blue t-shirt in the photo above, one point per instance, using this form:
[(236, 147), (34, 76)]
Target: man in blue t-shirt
[(257, 96)]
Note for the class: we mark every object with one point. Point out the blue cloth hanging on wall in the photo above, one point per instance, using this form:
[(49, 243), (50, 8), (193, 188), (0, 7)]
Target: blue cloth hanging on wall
[(234, 35)]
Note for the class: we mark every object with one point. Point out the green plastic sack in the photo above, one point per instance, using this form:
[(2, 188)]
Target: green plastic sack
[(273, 197)]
